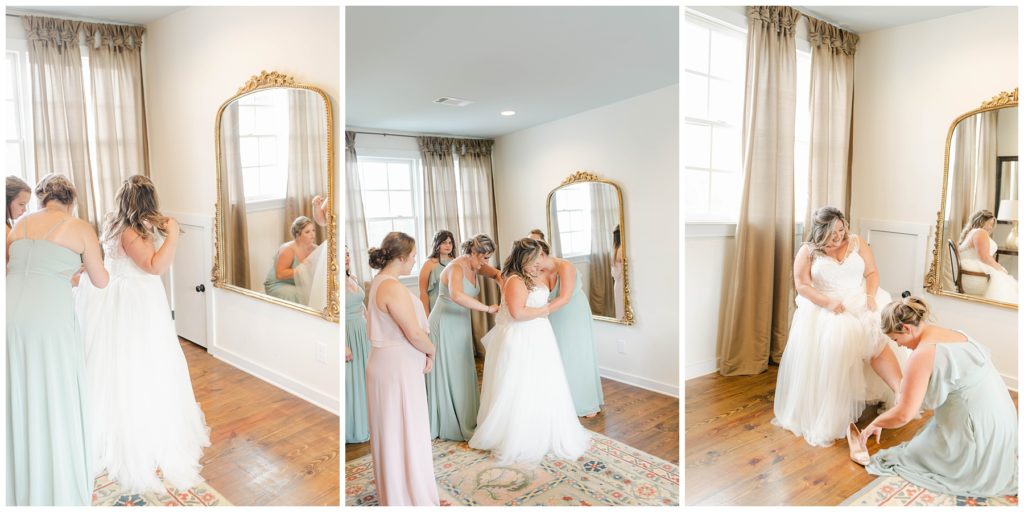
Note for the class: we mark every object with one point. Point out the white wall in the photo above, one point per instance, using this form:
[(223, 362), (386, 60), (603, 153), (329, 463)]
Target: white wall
[(635, 143), (194, 60), (912, 82), (265, 239), (709, 261)]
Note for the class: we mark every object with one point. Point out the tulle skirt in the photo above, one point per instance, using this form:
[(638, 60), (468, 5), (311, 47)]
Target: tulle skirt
[(311, 279), (825, 378), (526, 410), (1000, 286), (142, 410)]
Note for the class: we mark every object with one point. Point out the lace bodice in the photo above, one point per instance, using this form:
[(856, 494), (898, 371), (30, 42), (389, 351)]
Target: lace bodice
[(969, 251), (831, 276), (117, 261), (538, 297)]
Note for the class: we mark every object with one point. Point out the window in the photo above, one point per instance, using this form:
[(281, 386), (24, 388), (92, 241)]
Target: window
[(573, 211), (17, 118), (715, 71), (263, 144), (391, 198)]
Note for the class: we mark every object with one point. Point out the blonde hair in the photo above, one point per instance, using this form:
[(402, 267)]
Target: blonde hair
[(299, 224), (135, 205), (479, 244), (55, 187), (909, 310), (977, 220), (524, 252), (823, 223)]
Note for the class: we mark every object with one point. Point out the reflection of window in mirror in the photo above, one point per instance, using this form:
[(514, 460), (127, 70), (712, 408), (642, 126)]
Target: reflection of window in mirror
[(572, 206), (263, 144)]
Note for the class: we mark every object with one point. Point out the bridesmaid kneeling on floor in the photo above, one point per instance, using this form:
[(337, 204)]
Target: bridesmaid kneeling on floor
[(401, 352), (969, 447)]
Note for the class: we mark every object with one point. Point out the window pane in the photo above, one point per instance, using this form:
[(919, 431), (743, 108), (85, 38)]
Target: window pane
[(398, 176), (375, 175), (375, 204), (270, 181), (579, 243), (726, 149), (725, 194), (11, 121), (250, 151), (696, 96), (12, 75), (407, 226), (564, 221), (698, 145), (268, 150), (264, 120), (696, 47), (251, 181), (246, 121), (801, 168), (696, 184), (376, 230), (401, 204), (726, 103), (14, 159), (728, 56)]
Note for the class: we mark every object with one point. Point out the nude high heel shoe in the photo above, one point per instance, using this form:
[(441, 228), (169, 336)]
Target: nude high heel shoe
[(858, 451)]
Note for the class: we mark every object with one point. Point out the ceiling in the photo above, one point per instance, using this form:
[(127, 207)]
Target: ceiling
[(543, 62), (115, 14), (862, 19)]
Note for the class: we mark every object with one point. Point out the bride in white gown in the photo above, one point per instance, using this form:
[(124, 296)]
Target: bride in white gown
[(526, 409), (143, 414), (836, 359), (975, 241)]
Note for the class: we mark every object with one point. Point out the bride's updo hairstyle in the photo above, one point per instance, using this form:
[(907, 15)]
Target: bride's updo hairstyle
[(897, 314), (479, 244), (55, 187), (396, 245), (524, 252), (823, 224), (977, 220), (135, 206)]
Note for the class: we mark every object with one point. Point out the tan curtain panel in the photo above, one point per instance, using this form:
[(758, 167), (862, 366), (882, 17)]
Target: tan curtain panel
[(440, 202), (759, 301), (236, 230), (307, 157), (355, 219), (832, 50), (972, 167), (58, 107), (604, 205), (476, 177)]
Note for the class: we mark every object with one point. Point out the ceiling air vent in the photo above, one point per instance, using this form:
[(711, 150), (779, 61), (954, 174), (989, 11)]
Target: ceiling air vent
[(452, 102)]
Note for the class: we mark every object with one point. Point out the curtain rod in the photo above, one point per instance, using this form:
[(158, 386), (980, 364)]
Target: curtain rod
[(414, 136), (19, 14)]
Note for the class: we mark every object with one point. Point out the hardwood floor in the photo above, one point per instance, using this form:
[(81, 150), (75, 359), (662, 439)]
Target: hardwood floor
[(637, 417), (268, 447), (735, 456)]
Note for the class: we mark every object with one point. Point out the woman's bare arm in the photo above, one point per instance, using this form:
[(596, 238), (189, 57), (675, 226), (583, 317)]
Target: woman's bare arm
[(143, 253), (394, 298), (567, 284), (515, 298), (283, 266), (428, 267), (458, 291)]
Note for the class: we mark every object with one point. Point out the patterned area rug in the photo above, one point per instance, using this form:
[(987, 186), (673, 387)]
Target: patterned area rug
[(108, 492), (610, 473), (893, 491)]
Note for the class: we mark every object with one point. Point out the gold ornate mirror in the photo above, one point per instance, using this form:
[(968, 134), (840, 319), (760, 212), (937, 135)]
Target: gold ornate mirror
[(975, 252), (276, 217), (587, 226)]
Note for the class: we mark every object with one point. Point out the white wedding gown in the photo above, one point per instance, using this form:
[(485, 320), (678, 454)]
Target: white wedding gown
[(526, 409), (311, 279), (1000, 286), (825, 377), (142, 412)]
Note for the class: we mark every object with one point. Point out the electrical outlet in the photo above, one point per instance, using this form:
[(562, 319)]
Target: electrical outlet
[(321, 352), (622, 346)]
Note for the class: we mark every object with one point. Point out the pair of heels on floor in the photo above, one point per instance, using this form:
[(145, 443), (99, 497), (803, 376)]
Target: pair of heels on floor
[(858, 448)]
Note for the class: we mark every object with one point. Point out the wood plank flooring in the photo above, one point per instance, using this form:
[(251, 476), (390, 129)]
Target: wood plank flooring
[(637, 417), (735, 456), (268, 447)]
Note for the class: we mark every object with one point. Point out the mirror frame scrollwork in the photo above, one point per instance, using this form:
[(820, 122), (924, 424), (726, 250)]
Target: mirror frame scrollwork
[(933, 280), (276, 80), (589, 177)]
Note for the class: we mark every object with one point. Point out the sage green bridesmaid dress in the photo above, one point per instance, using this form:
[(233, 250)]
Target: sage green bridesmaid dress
[(281, 288), (969, 447), (453, 398), (433, 282), (357, 419), (574, 331), (47, 441)]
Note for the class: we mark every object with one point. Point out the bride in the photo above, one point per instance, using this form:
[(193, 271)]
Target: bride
[(526, 410), (143, 414), (976, 250)]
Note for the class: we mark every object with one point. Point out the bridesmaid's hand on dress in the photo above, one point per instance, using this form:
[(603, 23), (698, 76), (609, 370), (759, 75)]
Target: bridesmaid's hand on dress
[(493, 308), (430, 364), (868, 431), (348, 354)]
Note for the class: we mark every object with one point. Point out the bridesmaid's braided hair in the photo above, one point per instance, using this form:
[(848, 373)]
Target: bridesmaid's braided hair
[(395, 245), (55, 187), (524, 252), (909, 310)]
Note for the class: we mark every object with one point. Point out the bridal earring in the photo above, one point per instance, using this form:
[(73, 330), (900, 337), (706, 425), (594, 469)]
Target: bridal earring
[(858, 451)]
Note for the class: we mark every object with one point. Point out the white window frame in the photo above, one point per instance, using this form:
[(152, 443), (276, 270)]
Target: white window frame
[(23, 107), (416, 186), (268, 197)]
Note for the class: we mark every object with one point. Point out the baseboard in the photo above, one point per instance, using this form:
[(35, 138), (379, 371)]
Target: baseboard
[(694, 370), (277, 380), (640, 382)]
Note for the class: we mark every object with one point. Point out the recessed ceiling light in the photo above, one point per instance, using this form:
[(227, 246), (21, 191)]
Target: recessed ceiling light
[(507, 113)]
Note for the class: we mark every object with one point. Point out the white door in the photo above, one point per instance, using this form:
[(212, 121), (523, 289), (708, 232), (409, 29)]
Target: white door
[(190, 278)]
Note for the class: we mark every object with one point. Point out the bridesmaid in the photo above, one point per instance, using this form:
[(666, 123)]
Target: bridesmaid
[(430, 274), (969, 447), (357, 350), (574, 329), (18, 196), (47, 441), (280, 281), (453, 398), (401, 353)]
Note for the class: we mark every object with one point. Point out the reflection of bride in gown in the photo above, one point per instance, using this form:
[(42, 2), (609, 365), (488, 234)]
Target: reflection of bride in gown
[(976, 242)]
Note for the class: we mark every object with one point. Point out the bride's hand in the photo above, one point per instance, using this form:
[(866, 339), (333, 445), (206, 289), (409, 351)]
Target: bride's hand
[(835, 306), (430, 364), (872, 305)]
